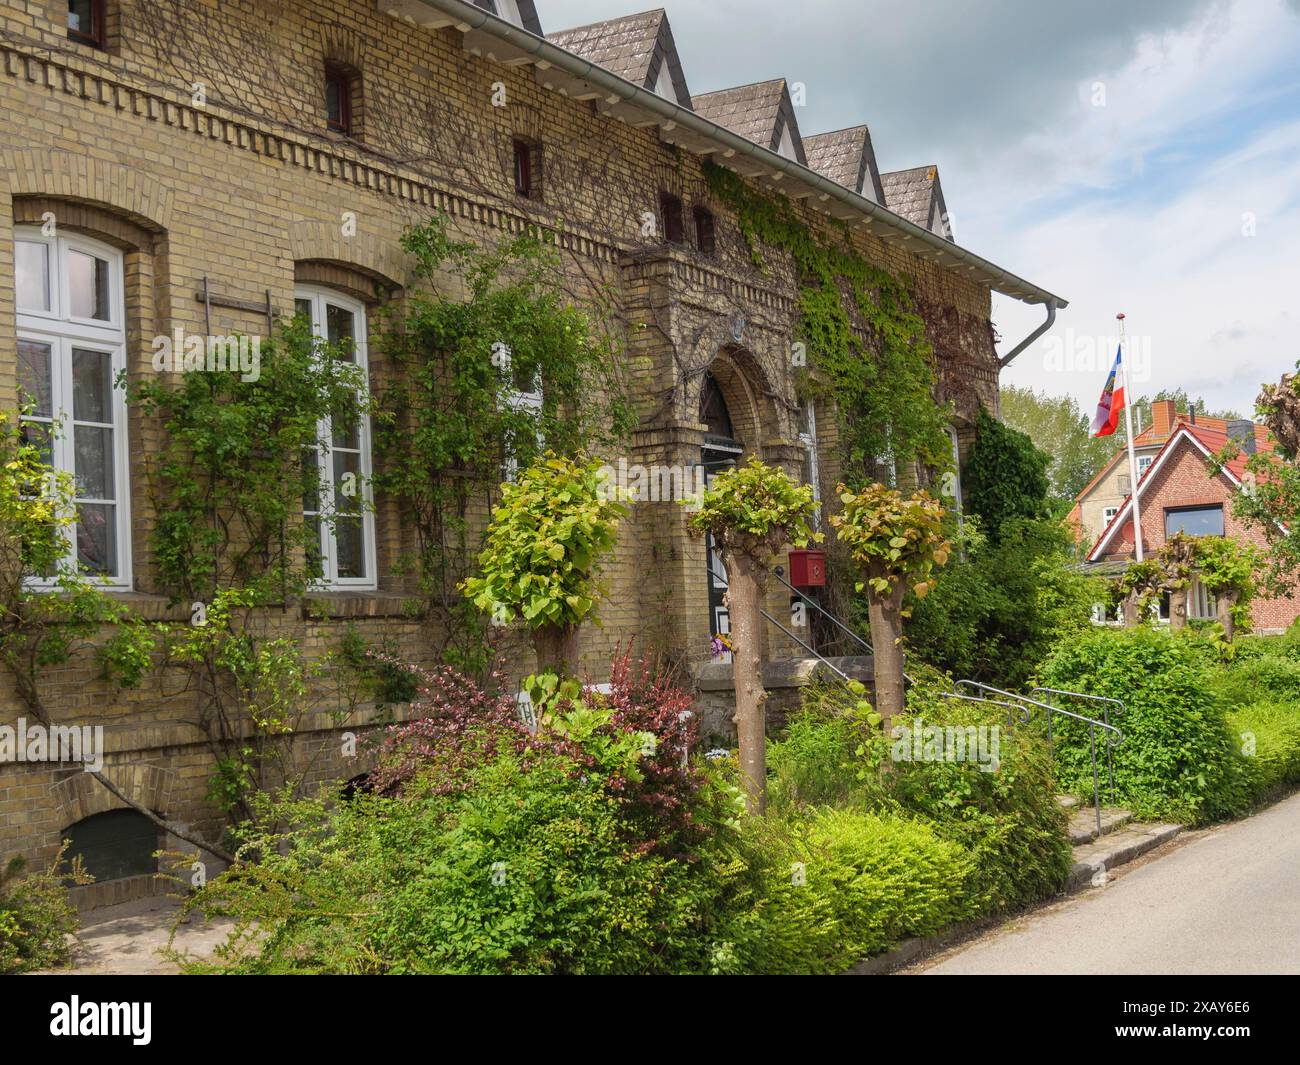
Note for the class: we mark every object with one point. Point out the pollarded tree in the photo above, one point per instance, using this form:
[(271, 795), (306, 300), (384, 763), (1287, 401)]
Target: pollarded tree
[(542, 558), (752, 511), (897, 541)]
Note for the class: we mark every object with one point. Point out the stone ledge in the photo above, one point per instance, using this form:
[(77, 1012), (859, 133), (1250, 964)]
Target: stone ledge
[(786, 672)]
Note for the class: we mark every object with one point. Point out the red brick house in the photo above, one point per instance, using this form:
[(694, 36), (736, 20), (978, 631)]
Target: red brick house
[(1179, 491)]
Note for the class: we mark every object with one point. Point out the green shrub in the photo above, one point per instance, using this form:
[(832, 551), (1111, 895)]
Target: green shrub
[(526, 868), (1007, 819), (1177, 758), (1268, 737), (36, 915), (995, 616), (840, 886)]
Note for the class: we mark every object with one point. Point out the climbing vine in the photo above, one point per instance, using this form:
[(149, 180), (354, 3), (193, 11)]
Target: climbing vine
[(497, 366), (865, 339)]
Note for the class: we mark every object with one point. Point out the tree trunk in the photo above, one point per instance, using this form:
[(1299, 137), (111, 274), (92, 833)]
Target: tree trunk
[(557, 648), (1224, 602), (1131, 612), (885, 615), (745, 582), (1177, 609)]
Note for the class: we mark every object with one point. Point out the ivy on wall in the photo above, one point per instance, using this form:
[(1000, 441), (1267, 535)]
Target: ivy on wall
[(863, 334)]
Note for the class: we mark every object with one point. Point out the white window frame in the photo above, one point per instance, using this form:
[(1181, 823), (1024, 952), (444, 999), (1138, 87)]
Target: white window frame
[(319, 297), (808, 438), (1144, 464), (59, 329), (1108, 515), (530, 403)]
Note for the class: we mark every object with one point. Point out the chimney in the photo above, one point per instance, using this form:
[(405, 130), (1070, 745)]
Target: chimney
[(1162, 416), (1242, 430)]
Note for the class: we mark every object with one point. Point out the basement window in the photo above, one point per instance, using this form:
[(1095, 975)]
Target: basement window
[(86, 22), (670, 209), (705, 239)]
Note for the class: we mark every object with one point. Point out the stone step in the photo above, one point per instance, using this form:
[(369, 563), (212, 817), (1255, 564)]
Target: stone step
[(1092, 861), (1068, 801), (1083, 823)]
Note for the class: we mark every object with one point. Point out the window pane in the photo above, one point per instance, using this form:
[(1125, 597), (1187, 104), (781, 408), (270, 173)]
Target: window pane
[(347, 482), (339, 327), (97, 537), (92, 385), (87, 286), (1197, 521), (346, 436), (350, 539), (94, 458), (32, 265), (34, 376), (41, 436), (303, 307), (81, 16), (315, 561)]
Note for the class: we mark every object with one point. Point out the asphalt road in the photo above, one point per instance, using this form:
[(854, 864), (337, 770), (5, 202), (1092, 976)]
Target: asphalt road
[(1227, 902)]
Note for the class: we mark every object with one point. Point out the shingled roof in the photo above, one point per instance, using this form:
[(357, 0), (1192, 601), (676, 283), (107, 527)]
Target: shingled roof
[(847, 158), (638, 48), (761, 112), (917, 196)]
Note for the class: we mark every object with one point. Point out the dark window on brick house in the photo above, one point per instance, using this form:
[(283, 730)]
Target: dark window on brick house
[(528, 168), (670, 208), (1194, 521), (86, 21), (338, 98), (704, 238)]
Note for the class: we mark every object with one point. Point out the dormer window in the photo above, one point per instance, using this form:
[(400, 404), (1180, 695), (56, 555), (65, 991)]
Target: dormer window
[(86, 22), (664, 83), (503, 9), (670, 211), (786, 145)]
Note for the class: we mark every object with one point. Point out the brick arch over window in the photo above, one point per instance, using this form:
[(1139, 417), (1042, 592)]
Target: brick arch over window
[(72, 177), (747, 395), (362, 256)]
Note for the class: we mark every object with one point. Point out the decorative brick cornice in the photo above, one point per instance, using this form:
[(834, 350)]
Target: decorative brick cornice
[(73, 77)]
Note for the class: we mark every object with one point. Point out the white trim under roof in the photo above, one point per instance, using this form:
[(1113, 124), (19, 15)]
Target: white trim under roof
[(580, 79)]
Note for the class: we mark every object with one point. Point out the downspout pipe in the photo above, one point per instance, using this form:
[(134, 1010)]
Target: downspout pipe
[(1005, 361), (674, 114)]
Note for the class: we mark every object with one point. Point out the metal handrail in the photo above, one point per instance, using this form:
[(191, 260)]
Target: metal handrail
[(829, 665), (1114, 738), (779, 572), (1106, 703)]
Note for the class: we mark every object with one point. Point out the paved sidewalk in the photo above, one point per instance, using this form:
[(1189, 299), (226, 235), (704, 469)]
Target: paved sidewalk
[(1227, 902), (125, 939)]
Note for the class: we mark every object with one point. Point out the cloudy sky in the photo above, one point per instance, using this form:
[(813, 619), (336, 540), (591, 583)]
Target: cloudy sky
[(1137, 157)]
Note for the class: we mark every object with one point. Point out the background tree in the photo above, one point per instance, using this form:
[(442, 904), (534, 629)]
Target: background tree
[(896, 541), (1058, 427), (543, 555), (752, 511)]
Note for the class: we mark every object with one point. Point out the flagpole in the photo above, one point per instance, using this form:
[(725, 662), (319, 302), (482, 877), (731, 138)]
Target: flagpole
[(1132, 459)]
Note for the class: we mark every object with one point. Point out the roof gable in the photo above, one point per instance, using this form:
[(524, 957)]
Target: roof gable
[(762, 113), (1204, 442), (917, 196), (638, 48), (846, 157)]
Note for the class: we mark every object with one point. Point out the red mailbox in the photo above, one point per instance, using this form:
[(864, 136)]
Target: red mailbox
[(808, 569)]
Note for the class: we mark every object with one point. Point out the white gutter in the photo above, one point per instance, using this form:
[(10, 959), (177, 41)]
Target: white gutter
[(1000, 280)]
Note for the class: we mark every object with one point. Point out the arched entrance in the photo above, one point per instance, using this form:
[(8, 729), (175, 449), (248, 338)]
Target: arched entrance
[(721, 451)]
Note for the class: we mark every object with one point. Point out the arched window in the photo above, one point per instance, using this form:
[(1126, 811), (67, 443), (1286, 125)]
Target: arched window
[(114, 844), (71, 350), (340, 509)]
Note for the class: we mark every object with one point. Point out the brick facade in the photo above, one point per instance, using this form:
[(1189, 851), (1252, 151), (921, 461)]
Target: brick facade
[(248, 190)]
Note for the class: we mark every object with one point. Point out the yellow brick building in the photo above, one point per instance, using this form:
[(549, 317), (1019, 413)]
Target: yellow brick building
[(205, 166)]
